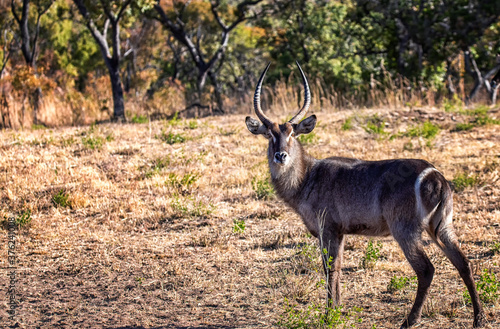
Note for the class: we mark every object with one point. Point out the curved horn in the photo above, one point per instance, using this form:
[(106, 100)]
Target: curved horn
[(256, 100), (307, 99)]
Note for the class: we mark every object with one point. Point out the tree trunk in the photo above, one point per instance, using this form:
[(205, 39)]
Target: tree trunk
[(116, 86), (217, 91)]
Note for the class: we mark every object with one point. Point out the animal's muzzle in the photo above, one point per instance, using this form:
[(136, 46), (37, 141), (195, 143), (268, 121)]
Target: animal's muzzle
[(281, 157)]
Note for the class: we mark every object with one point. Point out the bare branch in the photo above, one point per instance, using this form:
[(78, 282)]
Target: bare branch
[(122, 9), (100, 38), (14, 13), (37, 30)]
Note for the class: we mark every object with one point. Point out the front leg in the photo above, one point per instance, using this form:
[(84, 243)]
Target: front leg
[(333, 244)]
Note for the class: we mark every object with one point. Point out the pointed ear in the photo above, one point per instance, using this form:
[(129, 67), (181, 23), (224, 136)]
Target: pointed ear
[(305, 126), (256, 127)]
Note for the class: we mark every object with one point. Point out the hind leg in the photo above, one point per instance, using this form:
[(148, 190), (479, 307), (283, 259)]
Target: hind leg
[(410, 241), (459, 260)]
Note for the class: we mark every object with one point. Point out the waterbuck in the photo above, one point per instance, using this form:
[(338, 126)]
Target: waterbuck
[(401, 197)]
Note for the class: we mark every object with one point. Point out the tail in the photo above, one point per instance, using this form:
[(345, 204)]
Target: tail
[(440, 226)]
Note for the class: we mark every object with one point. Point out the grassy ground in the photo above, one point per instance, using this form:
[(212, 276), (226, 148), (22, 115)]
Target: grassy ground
[(174, 224)]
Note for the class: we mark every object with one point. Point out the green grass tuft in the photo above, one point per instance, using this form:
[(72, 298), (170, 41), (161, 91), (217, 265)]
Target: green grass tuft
[(427, 130), (488, 288), (262, 188), (307, 139), (139, 119), (238, 226), (171, 138), (462, 181), (347, 125), (61, 199)]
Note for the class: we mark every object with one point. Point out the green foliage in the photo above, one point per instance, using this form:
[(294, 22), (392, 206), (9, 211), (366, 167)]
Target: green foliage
[(24, 218), (453, 105), (192, 124), (463, 126), (427, 130), (372, 255), (262, 188), (186, 181), (190, 207), (309, 257), (316, 317), (307, 139), (227, 132), (157, 166), (480, 118), (93, 142), (38, 127), (171, 138), (66, 142), (461, 181), (175, 120), (495, 247), (238, 226), (61, 199), (484, 119), (44, 141), (488, 288), (347, 125), (139, 119), (399, 283), (375, 125)]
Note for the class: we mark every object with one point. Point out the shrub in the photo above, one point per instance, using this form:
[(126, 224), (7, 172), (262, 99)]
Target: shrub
[(316, 317), (372, 255)]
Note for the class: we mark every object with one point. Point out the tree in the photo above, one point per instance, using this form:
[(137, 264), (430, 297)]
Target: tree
[(29, 37), (207, 63), (114, 13), (423, 38), (7, 39)]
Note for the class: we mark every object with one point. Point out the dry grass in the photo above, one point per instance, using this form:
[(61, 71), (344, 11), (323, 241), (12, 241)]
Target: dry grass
[(142, 233)]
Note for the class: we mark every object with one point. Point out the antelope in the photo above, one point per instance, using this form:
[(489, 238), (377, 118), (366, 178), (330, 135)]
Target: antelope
[(399, 197)]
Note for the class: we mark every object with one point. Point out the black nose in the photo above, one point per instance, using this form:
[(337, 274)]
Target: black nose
[(280, 156)]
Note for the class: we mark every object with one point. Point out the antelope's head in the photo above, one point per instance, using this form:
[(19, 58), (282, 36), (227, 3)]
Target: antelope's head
[(284, 147)]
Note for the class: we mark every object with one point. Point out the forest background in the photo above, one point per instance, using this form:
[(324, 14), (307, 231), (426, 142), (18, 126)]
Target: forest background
[(77, 62)]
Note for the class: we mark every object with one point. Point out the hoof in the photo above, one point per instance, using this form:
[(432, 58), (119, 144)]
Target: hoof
[(479, 320), (410, 321)]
